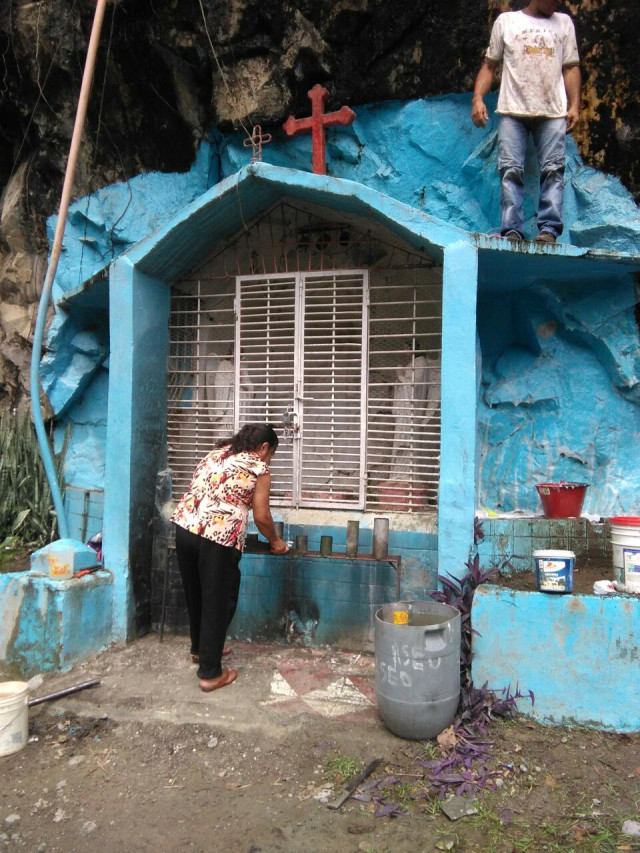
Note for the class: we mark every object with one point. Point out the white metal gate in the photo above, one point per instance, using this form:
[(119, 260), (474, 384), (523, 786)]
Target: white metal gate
[(302, 339)]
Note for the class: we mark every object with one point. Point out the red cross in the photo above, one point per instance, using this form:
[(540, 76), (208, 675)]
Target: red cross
[(316, 124)]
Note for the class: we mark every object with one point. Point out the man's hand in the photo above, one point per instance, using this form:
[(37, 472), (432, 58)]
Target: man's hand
[(479, 114), (572, 84), (484, 80), (572, 119)]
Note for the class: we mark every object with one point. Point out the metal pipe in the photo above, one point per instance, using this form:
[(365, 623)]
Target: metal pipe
[(326, 545), (380, 538), (302, 543), (353, 532), (66, 692), (38, 334)]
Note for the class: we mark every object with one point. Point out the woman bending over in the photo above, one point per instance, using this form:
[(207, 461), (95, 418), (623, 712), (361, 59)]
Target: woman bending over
[(211, 527)]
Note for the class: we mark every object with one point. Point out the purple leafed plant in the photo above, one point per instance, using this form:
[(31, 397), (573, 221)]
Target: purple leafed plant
[(467, 766), (478, 705), (458, 592)]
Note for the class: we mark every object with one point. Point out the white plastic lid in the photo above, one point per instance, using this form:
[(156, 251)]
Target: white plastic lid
[(554, 555)]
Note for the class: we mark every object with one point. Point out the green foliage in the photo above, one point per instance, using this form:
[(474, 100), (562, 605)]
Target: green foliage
[(341, 769), (9, 547), (26, 507)]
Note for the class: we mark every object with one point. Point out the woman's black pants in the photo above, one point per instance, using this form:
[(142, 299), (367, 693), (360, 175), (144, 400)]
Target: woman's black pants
[(211, 582)]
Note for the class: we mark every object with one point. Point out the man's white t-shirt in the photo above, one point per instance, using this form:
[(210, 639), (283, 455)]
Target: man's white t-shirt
[(533, 52)]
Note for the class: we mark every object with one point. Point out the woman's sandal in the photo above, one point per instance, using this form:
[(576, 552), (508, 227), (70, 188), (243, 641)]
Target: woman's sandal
[(226, 651), (208, 684)]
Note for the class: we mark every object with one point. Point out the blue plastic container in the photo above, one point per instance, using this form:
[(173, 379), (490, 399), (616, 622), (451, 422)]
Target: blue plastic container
[(554, 570)]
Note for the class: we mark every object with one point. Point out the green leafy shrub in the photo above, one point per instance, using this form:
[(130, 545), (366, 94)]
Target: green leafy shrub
[(26, 507)]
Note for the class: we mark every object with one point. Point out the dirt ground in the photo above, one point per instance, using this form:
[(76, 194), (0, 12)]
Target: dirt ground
[(584, 578), (146, 762)]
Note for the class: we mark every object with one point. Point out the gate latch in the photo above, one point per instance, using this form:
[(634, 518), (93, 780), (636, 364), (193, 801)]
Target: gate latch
[(290, 426)]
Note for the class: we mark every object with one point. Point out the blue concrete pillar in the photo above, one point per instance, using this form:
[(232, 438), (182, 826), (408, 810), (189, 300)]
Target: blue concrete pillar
[(456, 500), (136, 435)]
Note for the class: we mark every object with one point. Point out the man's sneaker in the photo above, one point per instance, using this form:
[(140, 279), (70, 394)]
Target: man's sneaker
[(545, 237), (513, 236)]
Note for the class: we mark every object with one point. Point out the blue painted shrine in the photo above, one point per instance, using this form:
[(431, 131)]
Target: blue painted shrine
[(540, 357)]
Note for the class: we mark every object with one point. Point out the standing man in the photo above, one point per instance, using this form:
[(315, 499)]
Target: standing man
[(539, 95)]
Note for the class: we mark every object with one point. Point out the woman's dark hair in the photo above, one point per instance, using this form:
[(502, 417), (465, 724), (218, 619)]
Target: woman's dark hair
[(250, 437)]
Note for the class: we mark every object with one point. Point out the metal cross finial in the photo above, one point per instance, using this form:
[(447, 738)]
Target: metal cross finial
[(256, 141)]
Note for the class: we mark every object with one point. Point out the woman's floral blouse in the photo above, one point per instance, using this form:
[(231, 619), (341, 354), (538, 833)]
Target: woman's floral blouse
[(216, 504)]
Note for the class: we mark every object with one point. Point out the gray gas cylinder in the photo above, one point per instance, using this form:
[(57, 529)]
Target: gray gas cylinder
[(417, 667)]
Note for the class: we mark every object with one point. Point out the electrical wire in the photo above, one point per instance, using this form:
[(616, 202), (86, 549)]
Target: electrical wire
[(219, 66), (36, 353)]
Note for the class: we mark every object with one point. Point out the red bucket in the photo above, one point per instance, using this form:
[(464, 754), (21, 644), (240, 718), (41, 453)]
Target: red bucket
[(562, 500)]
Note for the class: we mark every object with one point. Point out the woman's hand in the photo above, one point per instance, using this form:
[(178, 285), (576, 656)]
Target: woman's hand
[(279, 546)]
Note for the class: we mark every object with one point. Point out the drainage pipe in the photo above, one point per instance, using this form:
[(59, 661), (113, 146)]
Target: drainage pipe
[(38, 334), (66, 692)]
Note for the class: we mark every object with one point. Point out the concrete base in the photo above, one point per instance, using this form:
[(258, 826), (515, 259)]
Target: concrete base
[(49, 625), (579, 654)]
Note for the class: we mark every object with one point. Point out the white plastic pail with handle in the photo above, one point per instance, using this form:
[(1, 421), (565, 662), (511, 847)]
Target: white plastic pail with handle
[(625, 543), (14, 716)]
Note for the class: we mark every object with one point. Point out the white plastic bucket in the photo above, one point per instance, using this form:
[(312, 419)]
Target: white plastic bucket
[(625, 542), (14, 716), (554, 570)]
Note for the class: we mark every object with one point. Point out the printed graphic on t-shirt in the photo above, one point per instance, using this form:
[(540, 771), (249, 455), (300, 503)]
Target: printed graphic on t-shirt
[(538, 41), (532, 48)]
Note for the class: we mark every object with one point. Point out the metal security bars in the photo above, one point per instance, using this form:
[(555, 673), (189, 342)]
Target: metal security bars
[(265, 334), (288, 325), (199, 385), (403, 435), (332, 400), (302, 344)]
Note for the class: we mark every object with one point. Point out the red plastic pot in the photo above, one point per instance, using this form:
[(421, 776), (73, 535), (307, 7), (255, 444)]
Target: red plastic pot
[(562, 500)]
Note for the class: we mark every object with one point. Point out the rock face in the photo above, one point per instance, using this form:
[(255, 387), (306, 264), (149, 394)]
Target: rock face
[(171, 70)]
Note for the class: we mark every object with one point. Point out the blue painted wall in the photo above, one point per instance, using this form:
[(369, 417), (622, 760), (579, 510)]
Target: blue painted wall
[(85, 511), (509, 543), (560, 393), (428, 154), (320, 601), (49, 624), (579, 655), (459, 364)]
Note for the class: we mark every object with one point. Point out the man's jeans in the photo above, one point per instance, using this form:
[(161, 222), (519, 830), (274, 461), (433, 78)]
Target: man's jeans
[(549, 136)]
